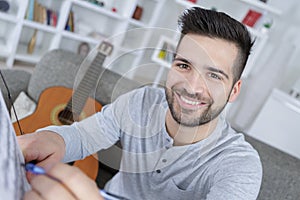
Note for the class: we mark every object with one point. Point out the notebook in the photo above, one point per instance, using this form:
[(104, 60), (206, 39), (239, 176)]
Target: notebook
[(13, 182)]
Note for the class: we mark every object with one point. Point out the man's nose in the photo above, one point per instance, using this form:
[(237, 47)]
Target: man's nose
[(196, 83)]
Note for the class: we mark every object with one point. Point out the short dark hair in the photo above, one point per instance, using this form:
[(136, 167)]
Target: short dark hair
[(215, 24)]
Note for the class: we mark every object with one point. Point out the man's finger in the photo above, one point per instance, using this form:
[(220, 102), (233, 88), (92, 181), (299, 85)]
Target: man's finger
[(48, 188), (32, 195), (74, 179)]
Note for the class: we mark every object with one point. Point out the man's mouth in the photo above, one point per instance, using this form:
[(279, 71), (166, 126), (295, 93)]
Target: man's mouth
[(189, 103)]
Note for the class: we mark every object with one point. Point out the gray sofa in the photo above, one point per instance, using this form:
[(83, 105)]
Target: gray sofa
[(281, 177)]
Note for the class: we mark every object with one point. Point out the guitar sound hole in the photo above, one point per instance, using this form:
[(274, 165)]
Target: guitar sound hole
[(66, 117)]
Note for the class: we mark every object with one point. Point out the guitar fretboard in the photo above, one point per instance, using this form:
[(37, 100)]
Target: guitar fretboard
[(85, 86)]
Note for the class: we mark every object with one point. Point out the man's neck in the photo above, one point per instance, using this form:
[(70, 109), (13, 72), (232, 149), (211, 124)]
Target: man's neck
[(184, 135)]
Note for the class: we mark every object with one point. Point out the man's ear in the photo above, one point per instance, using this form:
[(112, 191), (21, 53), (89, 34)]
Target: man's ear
[(235, 91)]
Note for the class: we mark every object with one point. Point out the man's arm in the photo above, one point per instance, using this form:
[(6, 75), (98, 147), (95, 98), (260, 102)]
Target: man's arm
[(79, 140), (88, 136)]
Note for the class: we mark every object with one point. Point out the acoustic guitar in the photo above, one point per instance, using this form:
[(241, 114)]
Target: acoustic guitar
[(63, 106)]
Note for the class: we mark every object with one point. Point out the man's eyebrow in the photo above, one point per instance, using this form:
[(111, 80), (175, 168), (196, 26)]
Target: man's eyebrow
[(183, 60), (213, 69)]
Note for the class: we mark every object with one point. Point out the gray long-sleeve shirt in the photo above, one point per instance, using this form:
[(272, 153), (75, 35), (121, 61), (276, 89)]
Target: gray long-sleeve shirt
[(13, 183), (222, 166)]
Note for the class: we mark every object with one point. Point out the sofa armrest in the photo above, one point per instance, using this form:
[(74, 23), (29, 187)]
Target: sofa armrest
[(17, 81)]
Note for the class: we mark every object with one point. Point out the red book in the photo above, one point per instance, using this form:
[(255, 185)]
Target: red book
[(54, 19), (251, 18)]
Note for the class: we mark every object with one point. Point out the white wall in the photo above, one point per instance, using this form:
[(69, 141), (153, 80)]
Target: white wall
[(279, 66)]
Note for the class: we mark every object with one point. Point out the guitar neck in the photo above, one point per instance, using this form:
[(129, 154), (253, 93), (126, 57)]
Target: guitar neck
[(85, 86)]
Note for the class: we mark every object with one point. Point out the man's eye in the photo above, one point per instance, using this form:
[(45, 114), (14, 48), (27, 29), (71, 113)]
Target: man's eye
[(182, 66), (215, 76)]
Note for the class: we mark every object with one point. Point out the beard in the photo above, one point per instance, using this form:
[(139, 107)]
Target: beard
[(191, 118)]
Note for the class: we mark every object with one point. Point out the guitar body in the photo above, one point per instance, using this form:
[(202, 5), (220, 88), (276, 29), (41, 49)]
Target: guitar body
[(52, 102)]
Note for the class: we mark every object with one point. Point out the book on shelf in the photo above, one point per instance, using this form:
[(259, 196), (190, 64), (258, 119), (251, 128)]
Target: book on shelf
[(41, 14), (193, 1), (251, 17), (166, 53), (70, 22), (30, 10)]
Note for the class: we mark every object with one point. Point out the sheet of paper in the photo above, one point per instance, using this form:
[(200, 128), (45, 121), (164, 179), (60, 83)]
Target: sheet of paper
[(13, 182)]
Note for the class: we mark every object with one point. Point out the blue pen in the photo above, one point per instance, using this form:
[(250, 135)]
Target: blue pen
[(30, 167)]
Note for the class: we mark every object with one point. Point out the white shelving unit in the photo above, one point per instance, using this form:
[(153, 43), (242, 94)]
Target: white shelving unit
[(10, 29), (277, 123), (129, 36), (260, 34), (165, 46), (255, 3), (107, 22)]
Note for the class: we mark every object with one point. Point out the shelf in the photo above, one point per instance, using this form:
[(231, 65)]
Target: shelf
[(262, 5), (85, 23), (256, 3), (39, 26), (148, 10), (7, 36), (133, 38), (125, 50), (31, 58), (187, 4), (14, 7), (137, 23), (43, 40), (255, 32), (28, 58), (8, 17), (80, 38), (3, 48), (166, 47), (97, 9), (71, 42)]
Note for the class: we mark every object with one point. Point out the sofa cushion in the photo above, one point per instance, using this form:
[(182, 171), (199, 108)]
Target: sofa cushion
[(56, 68), (64, 68), (111, 85), (17, 81)]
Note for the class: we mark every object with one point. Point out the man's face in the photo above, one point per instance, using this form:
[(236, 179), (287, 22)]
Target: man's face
[(200, 81)]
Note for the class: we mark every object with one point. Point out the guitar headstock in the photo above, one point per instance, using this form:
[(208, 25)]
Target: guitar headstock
[(105, 48)]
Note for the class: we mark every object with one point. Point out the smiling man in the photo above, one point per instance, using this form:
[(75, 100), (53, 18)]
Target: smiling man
[(200, 83), (176, 141)]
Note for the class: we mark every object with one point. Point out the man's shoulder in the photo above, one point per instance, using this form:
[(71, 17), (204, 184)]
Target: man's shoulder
[(147, 95), (140, 101), (148, 90), (236, 149)]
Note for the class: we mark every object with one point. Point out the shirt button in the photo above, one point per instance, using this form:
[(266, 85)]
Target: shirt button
[(164, 160), (158, 171)]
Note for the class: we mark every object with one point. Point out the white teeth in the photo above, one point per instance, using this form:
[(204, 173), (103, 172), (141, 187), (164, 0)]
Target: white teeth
[(189, 101)]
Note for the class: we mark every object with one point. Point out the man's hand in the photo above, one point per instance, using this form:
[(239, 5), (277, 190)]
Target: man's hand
[(45, 148), (63, 181)]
